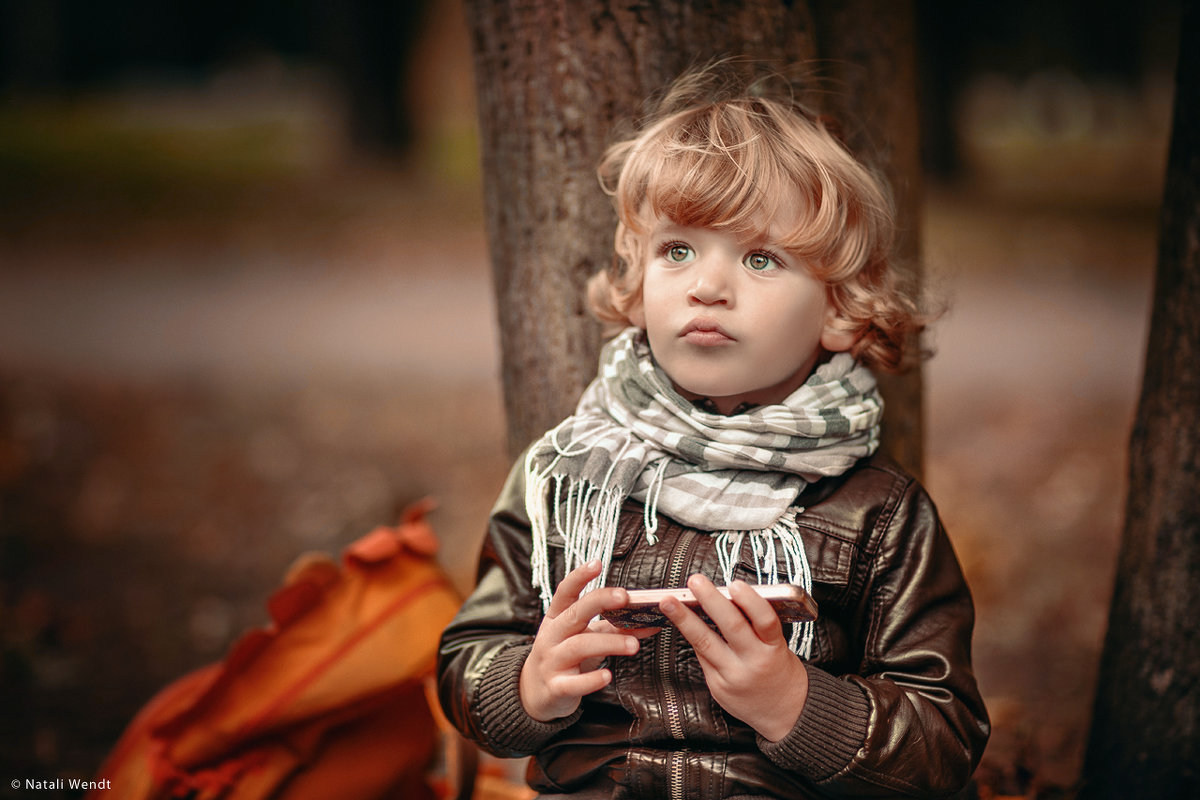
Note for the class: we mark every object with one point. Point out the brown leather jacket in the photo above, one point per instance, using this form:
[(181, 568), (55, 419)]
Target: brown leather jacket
[(892, 711)]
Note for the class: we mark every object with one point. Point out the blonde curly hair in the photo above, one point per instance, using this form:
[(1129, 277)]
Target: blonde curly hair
[(731, 160)]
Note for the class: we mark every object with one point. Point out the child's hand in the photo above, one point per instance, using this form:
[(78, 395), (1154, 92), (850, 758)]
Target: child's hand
[(750, 671), (561, 668)]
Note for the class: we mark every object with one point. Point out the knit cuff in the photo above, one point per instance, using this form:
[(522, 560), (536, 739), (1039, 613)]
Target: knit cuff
[(508, 727), (831, 730)]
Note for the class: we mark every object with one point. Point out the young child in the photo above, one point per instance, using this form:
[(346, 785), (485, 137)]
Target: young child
[(728, 439)]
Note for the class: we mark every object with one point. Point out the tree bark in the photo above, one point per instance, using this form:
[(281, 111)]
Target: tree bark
[(552, 80), (870, 45), (1145, 735)]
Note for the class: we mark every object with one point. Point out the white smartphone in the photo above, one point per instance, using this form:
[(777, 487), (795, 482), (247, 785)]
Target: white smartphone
[(790, 602)]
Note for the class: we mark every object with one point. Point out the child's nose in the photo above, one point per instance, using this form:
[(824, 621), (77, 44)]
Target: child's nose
[(710, 283)]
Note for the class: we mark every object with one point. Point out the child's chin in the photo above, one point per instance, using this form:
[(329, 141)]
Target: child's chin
[(702, 388)]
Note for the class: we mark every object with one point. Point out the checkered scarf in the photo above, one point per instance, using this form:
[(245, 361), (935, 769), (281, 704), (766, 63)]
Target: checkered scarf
[(633, 435)]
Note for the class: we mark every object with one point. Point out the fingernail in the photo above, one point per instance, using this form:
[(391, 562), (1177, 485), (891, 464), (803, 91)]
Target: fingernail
[(669, 605)]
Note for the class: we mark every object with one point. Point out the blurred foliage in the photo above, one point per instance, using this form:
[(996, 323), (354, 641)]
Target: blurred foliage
[(60, 157), (184, 165)]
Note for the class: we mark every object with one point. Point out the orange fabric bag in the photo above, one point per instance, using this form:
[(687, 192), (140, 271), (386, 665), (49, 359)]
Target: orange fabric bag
[(327, 702)]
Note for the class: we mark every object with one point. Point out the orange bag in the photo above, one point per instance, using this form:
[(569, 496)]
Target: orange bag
[(327, 702)]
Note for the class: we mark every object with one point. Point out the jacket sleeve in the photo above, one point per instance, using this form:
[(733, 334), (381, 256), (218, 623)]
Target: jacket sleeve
[(484, 648), (910, 721)]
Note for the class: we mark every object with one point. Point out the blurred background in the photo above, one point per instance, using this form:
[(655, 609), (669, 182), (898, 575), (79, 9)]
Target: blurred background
[(245, 312)]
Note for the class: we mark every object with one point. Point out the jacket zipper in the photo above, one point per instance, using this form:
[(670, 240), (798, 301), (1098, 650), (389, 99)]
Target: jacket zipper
[(666, 649), (675, 765), (667, 637)]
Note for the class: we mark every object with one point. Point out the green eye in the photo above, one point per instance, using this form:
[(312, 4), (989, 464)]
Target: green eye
[(761, 262), (679, 253)]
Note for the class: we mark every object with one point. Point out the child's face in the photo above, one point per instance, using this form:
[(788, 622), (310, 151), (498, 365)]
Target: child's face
[(732, 318)]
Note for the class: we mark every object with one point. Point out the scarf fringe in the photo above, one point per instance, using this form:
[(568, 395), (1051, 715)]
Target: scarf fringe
[(585, 515), (786, 532)]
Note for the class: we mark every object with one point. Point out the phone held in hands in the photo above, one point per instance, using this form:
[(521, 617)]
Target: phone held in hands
[(790, 602)]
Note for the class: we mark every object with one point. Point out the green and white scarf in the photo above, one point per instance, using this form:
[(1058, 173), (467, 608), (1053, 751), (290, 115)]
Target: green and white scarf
[(633, 435)]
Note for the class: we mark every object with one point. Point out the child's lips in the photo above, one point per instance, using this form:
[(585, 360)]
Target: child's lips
[(705, 333)]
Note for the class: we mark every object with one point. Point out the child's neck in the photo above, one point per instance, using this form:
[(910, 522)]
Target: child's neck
[(710, 406)]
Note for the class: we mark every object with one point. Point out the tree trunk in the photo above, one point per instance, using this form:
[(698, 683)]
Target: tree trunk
[(870, 45), (1145, 736), (552, 79)]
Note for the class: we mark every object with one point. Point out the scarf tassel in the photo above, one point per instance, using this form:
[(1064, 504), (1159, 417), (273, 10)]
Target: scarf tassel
[(586, 515), (583, 514), (764, 555)]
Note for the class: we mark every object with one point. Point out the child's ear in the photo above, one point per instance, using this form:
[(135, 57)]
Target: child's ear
[(837, 336)]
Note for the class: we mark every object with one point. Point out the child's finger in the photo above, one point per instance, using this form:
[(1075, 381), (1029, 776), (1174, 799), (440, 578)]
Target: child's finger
[(588, 606), (578, 650), (576, 617), (601, 625), (725, 615), (569, 588), (580, 684), (763, 617), (708, 644)]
